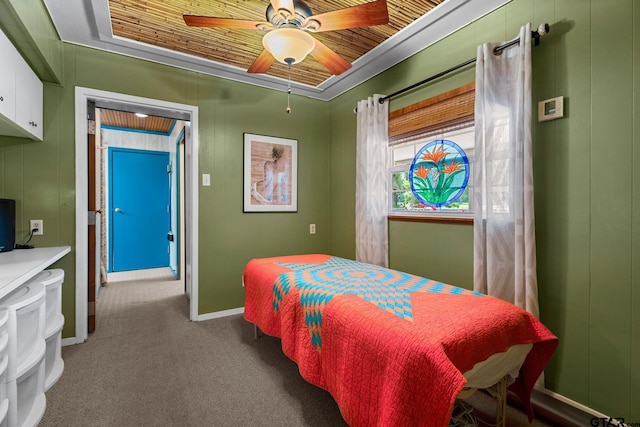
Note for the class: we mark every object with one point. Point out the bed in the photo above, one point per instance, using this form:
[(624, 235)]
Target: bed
[(393, 349)]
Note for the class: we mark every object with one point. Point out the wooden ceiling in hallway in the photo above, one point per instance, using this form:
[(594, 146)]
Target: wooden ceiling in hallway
[(125, 120), (160, 23)]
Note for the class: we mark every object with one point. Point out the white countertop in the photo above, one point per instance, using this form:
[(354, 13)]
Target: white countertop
[(19, 265)]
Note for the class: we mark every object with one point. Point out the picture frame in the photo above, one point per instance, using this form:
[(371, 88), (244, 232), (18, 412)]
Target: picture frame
[(270, 178)]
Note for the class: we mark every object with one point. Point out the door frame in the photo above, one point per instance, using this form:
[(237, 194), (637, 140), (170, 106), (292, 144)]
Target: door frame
[(179, 232), (82, 96)]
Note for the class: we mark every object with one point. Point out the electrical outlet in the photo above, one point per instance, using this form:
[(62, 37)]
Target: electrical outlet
[(38, 226), (312, 229)]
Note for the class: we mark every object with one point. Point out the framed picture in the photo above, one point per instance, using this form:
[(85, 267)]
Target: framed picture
[(270, 174)]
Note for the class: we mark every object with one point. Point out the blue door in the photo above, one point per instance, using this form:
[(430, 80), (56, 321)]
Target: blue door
[(139, 214)]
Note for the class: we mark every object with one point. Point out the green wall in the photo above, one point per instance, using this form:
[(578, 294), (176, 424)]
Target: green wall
[(41, 175), (438, 251), (587, 176), (27, 24)]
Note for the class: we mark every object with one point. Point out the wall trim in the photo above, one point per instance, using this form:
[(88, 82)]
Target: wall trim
[(219, 314), (68, 341), (559, 408), (208, 316)]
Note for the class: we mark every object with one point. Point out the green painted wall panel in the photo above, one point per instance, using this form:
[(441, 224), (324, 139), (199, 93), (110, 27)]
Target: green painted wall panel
[(635, 226), (14, 167), (28, 25), (491, 28), (562, 200), (518, 13), (257, 234), (437, 251), (59, 117), (342, 177), (611, 195)]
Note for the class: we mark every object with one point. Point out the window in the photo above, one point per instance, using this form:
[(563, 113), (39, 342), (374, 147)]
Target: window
[(403, 199), (432, 150)]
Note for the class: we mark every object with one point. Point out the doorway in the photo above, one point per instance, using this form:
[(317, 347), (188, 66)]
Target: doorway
[(189, 214)]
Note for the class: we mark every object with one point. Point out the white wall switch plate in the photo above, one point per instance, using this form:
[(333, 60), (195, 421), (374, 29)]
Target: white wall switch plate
[(206, 180)]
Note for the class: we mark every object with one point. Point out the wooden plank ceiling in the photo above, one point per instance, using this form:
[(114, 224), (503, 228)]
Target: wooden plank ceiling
[(125, 120), (160, 23)]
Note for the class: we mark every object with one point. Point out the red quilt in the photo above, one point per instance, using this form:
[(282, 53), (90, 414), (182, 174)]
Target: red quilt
[(390, 347)]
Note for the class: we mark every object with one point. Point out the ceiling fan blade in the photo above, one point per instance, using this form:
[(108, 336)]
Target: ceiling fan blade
[(262, 63), (283, 4), (331, 60), (364, 15), (211, 22)]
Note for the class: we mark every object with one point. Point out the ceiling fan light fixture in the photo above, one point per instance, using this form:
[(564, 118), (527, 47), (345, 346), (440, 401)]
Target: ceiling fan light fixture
[(287, 44)]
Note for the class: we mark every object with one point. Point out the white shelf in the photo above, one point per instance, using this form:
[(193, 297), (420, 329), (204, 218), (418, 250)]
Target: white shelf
[(19, 265), (4, 341), (4, 364), (37, 411), (4, 317), (36, 356), (54, 375), (54, 327), (4, 410)]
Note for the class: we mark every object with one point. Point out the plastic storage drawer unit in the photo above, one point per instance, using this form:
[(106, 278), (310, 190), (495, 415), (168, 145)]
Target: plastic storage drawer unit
[(4, 365), (26, 347), (54, 322)]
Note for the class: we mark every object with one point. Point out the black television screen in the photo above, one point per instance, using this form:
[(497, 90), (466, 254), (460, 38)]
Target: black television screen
[(7, 224)]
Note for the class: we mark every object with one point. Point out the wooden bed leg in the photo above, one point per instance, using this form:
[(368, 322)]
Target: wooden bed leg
[(499, 392)]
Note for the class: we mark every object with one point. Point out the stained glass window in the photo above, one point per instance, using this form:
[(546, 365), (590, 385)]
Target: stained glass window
[(433, 174)]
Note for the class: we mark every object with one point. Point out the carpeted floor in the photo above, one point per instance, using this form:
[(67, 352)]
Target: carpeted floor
[(148, 365)]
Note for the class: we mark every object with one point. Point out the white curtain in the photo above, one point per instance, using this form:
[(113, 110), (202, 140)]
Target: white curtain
[(372, 175), (504, 229)]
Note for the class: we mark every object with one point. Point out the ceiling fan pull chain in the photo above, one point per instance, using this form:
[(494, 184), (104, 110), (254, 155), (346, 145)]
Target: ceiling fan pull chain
[(288, 110)]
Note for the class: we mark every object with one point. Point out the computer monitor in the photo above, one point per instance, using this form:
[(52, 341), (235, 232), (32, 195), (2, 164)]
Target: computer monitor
[(7, 224)]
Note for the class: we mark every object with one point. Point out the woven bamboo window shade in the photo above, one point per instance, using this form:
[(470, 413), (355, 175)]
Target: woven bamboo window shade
[(448, 110)]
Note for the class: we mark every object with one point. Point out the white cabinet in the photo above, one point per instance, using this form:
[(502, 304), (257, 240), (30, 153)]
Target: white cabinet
[(21, 107), (28, 100), (7, 78)]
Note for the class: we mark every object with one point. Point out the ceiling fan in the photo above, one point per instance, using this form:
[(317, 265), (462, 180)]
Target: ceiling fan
[(288, 25)]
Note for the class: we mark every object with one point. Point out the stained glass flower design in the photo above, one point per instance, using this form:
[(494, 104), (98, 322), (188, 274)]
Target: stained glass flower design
[(439, 173)]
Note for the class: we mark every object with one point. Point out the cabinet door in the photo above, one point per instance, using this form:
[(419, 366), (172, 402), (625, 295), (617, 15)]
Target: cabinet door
[(8, 58), (36, 95), (28, 99)]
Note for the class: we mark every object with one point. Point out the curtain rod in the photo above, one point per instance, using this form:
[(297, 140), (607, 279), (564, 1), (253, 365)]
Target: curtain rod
[(542, 30)]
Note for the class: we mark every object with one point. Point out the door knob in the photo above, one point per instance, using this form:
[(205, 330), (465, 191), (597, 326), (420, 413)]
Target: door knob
[(118, 210)]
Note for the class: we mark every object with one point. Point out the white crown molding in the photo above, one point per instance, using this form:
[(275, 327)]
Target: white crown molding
[(87, 23)]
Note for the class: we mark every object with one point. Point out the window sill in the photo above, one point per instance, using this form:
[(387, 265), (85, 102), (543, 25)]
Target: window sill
[(423, 218)]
